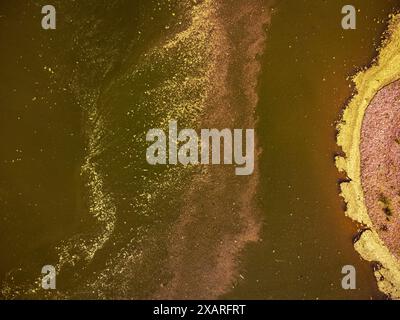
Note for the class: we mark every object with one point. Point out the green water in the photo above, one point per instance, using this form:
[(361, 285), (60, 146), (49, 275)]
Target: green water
[(77, 193), (76, 190)]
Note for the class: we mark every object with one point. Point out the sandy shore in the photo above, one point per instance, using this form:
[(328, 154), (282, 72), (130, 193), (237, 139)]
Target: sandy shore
[(368, 135)]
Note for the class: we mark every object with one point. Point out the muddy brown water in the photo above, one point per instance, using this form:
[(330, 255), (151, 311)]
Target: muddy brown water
[(305, 240)]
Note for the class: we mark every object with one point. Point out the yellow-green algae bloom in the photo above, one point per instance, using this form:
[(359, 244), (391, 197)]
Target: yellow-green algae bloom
[(384, 71)]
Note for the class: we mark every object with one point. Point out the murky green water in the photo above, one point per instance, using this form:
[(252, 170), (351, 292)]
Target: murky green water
[(76, 191)]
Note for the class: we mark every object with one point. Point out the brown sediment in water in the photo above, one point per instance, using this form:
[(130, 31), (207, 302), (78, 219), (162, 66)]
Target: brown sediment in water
[(368, 136), (219, 216)]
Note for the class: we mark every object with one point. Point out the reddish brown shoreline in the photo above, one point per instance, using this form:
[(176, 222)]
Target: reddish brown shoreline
[(380, 164), (368, 135)]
